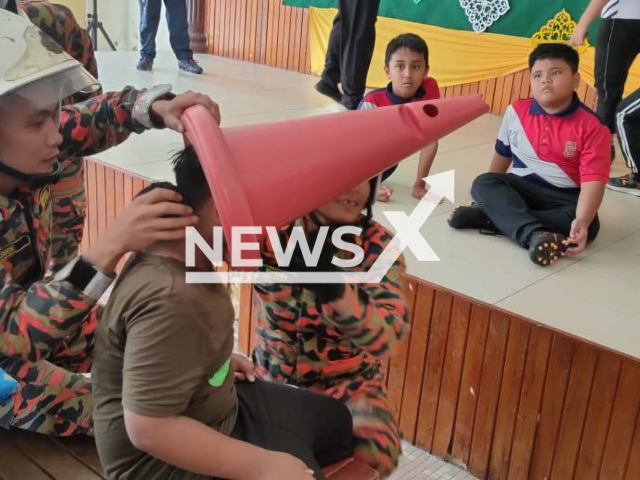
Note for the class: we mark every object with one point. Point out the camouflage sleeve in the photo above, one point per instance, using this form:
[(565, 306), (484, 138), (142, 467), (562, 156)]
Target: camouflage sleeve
[(100, 123), (379, 317), (36, 321), (68, 214)]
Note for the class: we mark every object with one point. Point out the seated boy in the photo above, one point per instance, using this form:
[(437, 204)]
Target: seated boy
[(560, 155), (335, 338), (165, 402), (407, 66)]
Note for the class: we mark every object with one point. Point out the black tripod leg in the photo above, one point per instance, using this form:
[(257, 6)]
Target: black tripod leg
[(93, 31), (106, 36)]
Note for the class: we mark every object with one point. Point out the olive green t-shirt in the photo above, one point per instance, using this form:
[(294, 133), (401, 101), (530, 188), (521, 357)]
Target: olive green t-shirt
[(162, 349)]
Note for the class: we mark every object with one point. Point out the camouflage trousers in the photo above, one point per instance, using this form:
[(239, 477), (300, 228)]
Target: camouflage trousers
[(54, 398), (377, 437)]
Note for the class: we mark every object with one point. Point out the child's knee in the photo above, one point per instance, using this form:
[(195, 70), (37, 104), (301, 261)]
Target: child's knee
[(483, 182)]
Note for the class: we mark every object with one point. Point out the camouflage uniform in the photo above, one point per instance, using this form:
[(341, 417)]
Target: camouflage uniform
[(69, 198), (309, 345), (47, 326)]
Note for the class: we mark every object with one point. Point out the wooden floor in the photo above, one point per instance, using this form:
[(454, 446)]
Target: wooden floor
[(27, 456)]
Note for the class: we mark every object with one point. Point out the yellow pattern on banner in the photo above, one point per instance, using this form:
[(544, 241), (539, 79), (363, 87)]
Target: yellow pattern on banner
[(456, 56)]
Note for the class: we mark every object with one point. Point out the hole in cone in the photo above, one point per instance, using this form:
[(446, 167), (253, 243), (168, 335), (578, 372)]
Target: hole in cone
[(431, 110)]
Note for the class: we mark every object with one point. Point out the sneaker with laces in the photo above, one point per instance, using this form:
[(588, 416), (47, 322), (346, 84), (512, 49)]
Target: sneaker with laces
[(145, 64), (626, 184), (190, 65), (546, 247)]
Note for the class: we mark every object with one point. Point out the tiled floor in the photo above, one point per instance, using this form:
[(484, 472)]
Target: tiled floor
[(415, 464)]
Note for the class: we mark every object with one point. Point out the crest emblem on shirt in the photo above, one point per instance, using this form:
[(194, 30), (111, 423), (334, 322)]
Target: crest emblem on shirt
[(570, 149)]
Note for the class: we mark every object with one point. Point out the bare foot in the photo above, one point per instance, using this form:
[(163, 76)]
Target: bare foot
[(384, 193), (419, 192)]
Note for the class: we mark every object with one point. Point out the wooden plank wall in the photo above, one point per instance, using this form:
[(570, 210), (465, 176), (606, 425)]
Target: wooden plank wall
[(269, 33), (109, 190), (259, 31), (504, 397)]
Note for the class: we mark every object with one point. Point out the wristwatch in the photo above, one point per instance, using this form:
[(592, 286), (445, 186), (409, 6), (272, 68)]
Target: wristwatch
[(86, 277), (142, 108)]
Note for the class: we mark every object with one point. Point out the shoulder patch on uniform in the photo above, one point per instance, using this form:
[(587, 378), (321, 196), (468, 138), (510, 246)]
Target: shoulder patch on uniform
[(15, 247)]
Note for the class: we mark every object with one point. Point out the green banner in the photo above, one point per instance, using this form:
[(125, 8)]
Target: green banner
[(524, 18)]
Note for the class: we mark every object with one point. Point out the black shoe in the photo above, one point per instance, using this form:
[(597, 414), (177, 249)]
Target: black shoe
[(350, 103), (190, 65), (332, 91), (471, 217), (145, 64), (626, 184), (546, 247)]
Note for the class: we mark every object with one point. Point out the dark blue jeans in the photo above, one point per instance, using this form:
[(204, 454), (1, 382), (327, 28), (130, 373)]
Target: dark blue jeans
[(177, 22)]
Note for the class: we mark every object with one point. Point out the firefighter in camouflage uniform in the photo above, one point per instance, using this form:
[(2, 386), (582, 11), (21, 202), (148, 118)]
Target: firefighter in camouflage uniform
[(48, 315), (331, 338), (68, 194)]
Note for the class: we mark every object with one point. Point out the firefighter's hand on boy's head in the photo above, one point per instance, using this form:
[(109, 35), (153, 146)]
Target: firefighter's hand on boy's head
[(158, 215), (170, 111)]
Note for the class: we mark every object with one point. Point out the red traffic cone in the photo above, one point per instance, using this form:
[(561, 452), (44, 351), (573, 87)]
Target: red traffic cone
[(271, 174)]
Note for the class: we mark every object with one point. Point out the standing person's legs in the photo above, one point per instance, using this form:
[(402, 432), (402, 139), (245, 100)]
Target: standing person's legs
[(149, 21), (358, 20), (313, 427), (328, 84), (628, 120), (628, 124), (617, 46), (178, 23), (331, 72)]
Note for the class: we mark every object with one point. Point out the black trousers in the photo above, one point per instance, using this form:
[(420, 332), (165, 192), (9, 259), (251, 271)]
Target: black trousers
[(628, 124), (617, 45), (315, 428), (350, 49), (518, 207)]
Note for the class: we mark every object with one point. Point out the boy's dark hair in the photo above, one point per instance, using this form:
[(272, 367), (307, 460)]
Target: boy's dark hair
[(409, 41), (154, 185), (190, 179), (555, 51), (191, 182)]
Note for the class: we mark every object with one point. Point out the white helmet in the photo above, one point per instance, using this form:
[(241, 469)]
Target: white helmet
[(34, 67), (29, 57)]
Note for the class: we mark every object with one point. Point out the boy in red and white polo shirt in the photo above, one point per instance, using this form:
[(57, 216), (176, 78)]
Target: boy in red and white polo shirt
[(407, 66), (559, 153)]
